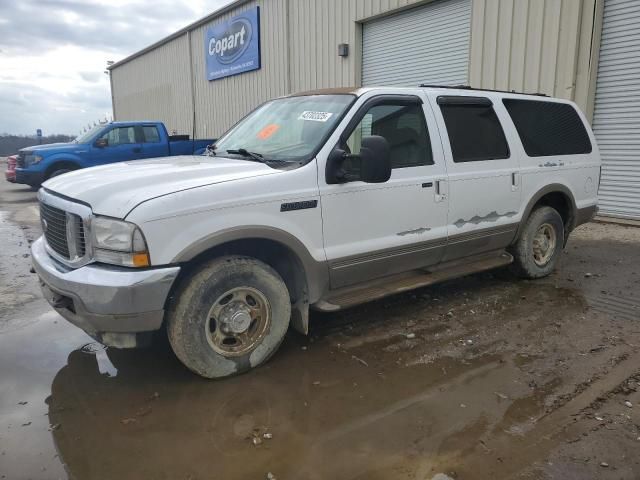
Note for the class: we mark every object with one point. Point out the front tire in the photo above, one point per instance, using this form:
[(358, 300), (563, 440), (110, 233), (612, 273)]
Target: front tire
[(60, 171), (538, 248), (229, 316)]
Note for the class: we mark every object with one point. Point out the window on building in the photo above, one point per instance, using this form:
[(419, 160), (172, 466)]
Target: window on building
[(120, 136), (403, 126), (474, 130), (548, 128), (150, 134)]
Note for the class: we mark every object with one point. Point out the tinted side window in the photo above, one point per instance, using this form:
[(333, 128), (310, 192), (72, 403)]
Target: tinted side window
[(405, 129), (474, 131), (150, 134), (548, 128)]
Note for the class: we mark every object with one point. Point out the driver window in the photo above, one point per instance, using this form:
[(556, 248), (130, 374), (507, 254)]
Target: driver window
[(120, 136), (403, 126)]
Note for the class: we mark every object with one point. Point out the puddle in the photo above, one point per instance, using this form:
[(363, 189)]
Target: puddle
[(404, 388)]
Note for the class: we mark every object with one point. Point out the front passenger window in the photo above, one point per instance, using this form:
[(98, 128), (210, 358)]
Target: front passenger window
[(403, 126), (120, 136)]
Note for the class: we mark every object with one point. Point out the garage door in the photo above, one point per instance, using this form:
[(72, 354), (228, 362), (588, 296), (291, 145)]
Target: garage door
[(616, 120), (429, 44)]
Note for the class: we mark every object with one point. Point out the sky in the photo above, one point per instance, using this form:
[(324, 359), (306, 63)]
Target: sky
[(53, 54)]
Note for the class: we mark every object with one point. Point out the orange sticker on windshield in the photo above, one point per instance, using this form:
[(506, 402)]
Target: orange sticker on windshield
[(267, 131)]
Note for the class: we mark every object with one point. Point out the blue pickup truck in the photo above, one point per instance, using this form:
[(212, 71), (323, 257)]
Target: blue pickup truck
[(108, 143)]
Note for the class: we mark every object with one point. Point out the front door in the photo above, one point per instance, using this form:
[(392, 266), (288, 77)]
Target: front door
[(483, 172), (122, 145), (374, 230)]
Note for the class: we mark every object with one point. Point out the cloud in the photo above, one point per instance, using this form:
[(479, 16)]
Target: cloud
[(91, 77), (42, 25), (53, 54)]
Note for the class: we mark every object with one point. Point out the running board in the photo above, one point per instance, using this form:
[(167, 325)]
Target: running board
[(383, 287)]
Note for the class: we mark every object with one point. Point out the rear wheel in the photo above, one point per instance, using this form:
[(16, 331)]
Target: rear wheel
[(230, 316), (538, 248)]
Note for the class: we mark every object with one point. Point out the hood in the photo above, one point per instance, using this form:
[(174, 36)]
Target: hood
[(49, 146), (116, 189)]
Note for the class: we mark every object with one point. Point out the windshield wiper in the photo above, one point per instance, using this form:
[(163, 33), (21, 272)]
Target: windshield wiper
[(258, 157)]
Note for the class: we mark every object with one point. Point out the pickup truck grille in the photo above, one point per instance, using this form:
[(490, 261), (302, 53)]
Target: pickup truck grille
[(68, 242), (20, 160)]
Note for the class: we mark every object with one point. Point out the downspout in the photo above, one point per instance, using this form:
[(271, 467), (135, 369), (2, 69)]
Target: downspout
[(192, 85), (288, 33), (113, 102)]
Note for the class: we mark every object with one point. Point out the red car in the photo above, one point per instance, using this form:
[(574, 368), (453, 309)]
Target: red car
[(10, 172)]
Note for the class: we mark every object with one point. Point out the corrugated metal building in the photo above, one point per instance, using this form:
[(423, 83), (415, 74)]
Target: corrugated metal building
[(545, 46)]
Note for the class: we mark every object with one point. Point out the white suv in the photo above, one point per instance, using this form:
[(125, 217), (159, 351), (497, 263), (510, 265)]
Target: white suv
[(325, 199)]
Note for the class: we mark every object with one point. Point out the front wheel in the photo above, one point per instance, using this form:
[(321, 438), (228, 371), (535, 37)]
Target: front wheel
[(538, 248), (230, 316), (60, 171)]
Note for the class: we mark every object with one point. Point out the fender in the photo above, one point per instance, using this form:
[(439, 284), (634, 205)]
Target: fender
[(315, 272), (68, 157), (552, 188)]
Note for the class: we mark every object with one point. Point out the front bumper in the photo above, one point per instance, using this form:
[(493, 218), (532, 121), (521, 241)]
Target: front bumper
[(29, 178), (106, 302)]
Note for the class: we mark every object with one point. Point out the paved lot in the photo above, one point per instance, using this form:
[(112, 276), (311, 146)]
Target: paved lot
[(500, 379)]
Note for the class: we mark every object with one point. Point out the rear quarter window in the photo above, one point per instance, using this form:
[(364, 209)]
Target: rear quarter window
[(548, 128)]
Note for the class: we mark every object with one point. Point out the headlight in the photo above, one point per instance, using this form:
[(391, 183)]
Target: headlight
[(118, 243), (32, 159)]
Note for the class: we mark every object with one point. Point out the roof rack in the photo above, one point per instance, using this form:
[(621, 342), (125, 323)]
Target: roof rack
[(468, 87)]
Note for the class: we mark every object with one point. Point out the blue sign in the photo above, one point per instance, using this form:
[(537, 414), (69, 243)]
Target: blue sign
[(233, 46)]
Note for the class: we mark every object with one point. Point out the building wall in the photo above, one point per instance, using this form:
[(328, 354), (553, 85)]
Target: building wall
[(537, 46), (156, 86), (546, 46)]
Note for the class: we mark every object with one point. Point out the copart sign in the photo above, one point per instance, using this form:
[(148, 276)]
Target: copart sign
[(233, 46)]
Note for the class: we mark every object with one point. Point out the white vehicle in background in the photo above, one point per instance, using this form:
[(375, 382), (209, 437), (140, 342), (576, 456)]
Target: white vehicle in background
[(320, 200)]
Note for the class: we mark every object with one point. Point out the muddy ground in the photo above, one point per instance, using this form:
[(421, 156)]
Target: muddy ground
[(486, 377)]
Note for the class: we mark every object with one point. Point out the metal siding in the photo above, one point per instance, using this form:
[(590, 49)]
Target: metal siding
[(544, 46), (156, 86), (535, 46), (438, 51), (616, 121)]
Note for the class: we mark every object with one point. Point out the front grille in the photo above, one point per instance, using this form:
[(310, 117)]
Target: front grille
[(20, 160), (54, 226)]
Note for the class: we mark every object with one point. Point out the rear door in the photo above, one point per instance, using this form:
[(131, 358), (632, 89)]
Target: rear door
[(483, 172), (152, 143), (374, 230), (122, 145)]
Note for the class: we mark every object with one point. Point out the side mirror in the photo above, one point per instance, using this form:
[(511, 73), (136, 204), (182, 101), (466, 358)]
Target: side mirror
[(101, 142), (371, 165), (375, 154)]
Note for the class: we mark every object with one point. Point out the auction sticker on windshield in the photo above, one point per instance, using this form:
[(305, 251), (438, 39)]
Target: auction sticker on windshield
[(267, 131), (315, 116)]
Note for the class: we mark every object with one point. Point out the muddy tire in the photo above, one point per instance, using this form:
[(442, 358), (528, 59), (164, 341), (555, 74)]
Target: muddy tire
[(229, 316), (540, 244)]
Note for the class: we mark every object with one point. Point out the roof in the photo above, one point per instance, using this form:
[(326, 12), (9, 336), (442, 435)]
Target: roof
[(329, 91), (182, 31)]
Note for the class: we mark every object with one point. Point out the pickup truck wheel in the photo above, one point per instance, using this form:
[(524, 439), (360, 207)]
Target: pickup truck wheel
[(538, 248), (60, 171), (230, 316)]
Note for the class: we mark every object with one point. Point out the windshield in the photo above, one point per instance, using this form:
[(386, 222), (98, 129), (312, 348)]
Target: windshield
[(88, 135), (286, 129)]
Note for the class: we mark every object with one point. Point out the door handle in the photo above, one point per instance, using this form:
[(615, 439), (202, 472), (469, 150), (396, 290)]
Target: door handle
[(441, 190), (515, 181), (137, 149)]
